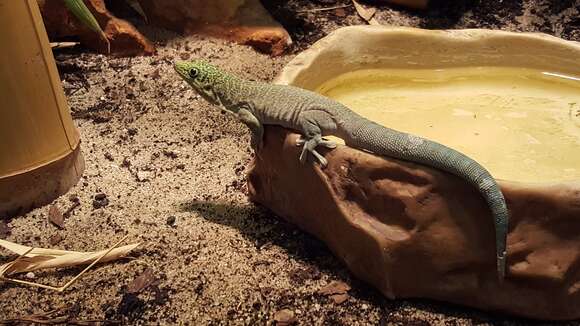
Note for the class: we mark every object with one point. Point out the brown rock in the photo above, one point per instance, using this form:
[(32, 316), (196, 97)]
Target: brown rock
[(242, 21), (182, 14), (57, 19), (141, 282), (55, 216), (100, 201), (55, 239), (284, 317), (124, 38), (413, 231), (334, 287), (339, 298)]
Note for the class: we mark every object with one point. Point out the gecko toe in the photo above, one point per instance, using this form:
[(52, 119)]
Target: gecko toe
[(323, 162), (309, 145), (303, 155), (300, 141), (327, 143)]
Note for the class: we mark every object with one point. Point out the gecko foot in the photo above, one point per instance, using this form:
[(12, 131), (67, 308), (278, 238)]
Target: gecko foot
[(310, 146), (323, 142)]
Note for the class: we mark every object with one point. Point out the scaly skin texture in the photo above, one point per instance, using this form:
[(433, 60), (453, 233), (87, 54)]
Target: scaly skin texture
[(257, 103)]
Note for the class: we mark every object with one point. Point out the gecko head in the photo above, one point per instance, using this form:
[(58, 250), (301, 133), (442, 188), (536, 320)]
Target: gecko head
[(202, 76)]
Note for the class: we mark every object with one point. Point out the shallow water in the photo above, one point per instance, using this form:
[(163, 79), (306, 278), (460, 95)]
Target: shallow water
[(521, 124)]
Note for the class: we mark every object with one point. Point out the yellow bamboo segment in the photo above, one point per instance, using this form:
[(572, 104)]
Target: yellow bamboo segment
[(39, 156)]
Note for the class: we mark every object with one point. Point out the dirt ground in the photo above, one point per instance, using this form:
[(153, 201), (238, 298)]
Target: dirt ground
[(172, 169), (306, 23)]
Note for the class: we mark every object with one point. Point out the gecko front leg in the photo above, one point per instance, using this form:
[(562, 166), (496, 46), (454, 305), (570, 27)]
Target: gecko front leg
[(312, 123), (255, 126)]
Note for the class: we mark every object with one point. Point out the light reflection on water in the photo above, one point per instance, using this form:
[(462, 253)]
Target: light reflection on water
[(521, 124)]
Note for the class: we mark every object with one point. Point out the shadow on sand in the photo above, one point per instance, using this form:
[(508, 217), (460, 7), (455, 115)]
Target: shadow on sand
[(264, 229)]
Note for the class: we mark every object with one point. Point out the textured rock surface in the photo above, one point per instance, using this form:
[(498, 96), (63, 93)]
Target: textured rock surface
[(242, 21), (124, 38), (412, 231), (417, 4)]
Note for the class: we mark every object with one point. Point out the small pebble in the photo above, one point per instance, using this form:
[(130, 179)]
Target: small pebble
[(109, 156), (100, 201), (55, 239), (143, 176), (285, 317)]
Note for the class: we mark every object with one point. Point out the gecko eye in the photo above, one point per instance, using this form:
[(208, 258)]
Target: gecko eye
[(193, 73)]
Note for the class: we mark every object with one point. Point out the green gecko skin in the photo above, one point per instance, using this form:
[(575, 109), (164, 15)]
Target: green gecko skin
[(257, 104)]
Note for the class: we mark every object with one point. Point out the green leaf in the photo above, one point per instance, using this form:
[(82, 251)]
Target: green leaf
[(80, 10)]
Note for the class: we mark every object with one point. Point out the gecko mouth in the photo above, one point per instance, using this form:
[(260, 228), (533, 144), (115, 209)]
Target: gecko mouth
[(178, 66)]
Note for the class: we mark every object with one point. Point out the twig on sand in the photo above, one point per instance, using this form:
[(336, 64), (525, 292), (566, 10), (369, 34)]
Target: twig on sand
[(63, 45), (323, 9), (49, 318), (27, 261)]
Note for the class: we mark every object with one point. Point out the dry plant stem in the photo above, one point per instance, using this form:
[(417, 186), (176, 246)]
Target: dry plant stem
[(17, 281), (323, 9), (76, 204), (45, 318), (108, 44), (62, 45), (69, 283), (17, 259), (59, 321), (93, 263)]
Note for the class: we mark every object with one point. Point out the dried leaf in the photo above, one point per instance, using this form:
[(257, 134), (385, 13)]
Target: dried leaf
[(141, 282), (285, 317), (366, 13), (31, 259), (55, 216), (39, 258), (55, 239), (334, 287), (339, 298)]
